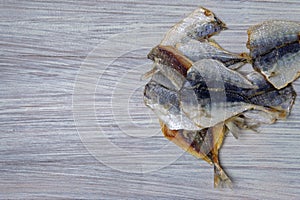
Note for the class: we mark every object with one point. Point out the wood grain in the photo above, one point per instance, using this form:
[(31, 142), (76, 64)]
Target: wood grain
[(72, 120)]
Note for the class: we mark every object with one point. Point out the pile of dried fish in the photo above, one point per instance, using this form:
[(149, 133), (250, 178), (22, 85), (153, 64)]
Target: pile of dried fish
[(199, 95)]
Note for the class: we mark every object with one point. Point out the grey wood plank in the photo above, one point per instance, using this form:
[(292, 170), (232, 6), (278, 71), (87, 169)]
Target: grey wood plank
[(72, 119)]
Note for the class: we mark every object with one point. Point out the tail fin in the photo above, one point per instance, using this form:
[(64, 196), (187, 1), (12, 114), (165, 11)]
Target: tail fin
[(221, 180)]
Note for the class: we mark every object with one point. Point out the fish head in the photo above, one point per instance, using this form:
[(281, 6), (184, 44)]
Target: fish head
[(206, 24)]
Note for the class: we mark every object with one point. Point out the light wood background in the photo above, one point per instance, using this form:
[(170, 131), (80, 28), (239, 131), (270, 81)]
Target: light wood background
[(72, 120)]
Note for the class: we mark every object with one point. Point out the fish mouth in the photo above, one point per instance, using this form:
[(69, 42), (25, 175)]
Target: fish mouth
[(152, 93), (147, 92), (221, 24)]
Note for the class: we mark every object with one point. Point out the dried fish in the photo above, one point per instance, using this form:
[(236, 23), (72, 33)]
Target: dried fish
[(161, 95), (190, 37), (198, 94), (276, 104), (203, 144), (275, 49), (212, 94), (274, 100), (270, 35), (263, 102), (170, 56), (199, 25), (195, 51)]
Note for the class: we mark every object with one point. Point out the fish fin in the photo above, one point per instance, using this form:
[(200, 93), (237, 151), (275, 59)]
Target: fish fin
[(221, 180), (233, 128), (149, 74), (215, 44), (212, 69), (179, 138)]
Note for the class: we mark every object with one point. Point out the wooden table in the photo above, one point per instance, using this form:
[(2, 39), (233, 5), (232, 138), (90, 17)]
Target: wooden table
[(72, 119)]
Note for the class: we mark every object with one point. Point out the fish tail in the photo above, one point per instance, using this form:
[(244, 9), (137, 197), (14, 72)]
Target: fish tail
[(221, 180)]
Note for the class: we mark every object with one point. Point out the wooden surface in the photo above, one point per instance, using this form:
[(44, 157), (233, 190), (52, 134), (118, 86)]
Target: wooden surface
[(72, 119)]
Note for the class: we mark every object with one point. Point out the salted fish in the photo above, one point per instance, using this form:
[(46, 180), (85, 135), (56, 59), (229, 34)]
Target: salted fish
[(275, 50), (199, 25)]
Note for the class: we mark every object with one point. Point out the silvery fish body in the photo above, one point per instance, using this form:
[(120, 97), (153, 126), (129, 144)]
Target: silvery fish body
[(191, 37), (275, 50), (213, 93), (161, 95), (195, 51), (270, 35), (199, 25), (276, 104), (210, 94)]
